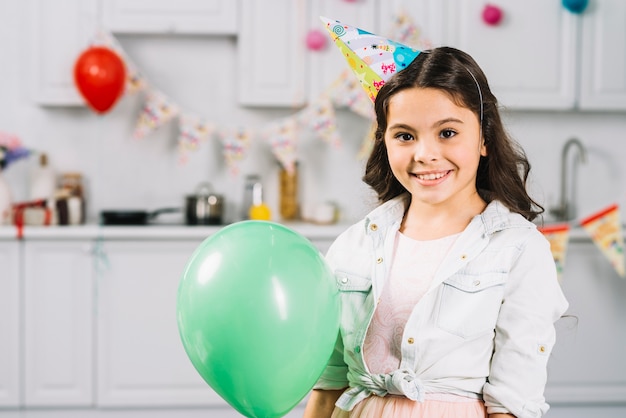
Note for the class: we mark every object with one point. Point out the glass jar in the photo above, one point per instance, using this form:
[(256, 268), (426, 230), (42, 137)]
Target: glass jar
[(288, 189)]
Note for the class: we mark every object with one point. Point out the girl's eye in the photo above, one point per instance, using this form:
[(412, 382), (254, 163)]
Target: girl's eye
[(404, 137), (447, 133)]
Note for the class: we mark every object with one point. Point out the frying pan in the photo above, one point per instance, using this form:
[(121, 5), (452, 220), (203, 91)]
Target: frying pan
[(132, 217)]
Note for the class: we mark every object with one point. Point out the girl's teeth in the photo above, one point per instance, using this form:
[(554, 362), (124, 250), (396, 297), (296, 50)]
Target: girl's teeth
[(431, 176)]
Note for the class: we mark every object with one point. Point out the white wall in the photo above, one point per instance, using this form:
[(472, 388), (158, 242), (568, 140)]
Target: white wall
[(198, 74)]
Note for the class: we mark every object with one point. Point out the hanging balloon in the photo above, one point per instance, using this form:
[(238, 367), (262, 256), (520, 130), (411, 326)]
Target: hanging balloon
[(576, 6), (100, 76), (258, 316), (492, 15), (316, 40)]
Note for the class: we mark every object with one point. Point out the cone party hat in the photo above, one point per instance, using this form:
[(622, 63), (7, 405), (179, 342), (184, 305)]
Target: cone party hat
[(374, 59)]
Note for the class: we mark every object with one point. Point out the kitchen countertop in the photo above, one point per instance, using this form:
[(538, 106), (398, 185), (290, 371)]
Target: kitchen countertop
[(152, 231), (179, 232)]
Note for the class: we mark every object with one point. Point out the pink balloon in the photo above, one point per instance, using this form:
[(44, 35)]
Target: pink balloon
[(492, 15), (315, 40)]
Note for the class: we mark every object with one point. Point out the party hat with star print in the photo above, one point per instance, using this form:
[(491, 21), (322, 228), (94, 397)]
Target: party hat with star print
[(374, 59)]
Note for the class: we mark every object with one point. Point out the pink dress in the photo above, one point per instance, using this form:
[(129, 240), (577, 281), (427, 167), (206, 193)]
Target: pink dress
[(414, 266)]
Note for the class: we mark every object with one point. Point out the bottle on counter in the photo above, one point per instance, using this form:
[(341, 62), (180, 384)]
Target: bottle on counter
[(259, 211), (74, 201), (288, 187), (251, 180), (44, 180)]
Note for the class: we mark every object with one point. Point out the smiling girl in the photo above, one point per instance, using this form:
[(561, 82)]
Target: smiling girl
[(449, 292)]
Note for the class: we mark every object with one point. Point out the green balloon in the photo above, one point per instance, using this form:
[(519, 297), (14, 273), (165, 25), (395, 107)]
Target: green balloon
[(258, 315)]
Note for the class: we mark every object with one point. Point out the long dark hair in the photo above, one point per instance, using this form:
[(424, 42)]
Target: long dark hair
[(502, 174)]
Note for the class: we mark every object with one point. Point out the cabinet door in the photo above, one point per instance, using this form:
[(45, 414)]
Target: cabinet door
[(58, 31), (425, 16), (58, 323), (214, 17), (603, 61), (141, 359), (271, 53), (10, 350), (529, 58)]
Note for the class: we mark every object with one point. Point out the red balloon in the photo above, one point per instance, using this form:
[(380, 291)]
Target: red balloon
[(100, 76)]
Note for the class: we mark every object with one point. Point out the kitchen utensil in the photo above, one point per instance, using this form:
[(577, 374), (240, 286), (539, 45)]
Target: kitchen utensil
[(132, 217), (204, 207)]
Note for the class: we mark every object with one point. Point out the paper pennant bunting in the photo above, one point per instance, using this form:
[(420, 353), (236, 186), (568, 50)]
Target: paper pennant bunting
[(157, 110), (605, 229), (135, 81), (346, 91), (236, 143), (558, 236), (320, 116), (283, 137), (193, 131)]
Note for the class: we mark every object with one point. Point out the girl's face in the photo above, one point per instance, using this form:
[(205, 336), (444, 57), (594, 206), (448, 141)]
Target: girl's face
[(434, 146)]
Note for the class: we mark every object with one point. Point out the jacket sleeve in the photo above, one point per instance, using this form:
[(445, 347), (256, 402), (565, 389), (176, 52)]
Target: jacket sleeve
[(525, 333), (335, 375)]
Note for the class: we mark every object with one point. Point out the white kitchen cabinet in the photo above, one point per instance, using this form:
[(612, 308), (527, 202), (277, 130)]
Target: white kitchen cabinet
[(206, 17), (603, 56), (58, 323), (530, 58), (10, 347), (57, 32), (141, 359), (271, 53)]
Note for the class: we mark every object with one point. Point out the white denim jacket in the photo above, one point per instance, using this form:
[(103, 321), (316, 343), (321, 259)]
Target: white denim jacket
[(484, 329)]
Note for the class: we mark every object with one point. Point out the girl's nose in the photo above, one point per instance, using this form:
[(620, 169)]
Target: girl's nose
[(425, 150)]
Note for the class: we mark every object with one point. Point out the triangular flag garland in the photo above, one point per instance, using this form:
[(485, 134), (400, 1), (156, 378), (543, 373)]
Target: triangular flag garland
[(193, 131), (236, 142), (605, 230), (157, 110), (557, 236), (319, 116), (283, 136)]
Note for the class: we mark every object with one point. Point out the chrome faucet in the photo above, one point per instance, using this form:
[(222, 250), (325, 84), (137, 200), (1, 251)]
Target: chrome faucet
[(566, 210)]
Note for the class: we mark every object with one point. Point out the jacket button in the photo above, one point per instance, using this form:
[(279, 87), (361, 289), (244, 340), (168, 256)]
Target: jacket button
[(476, 282), (344, 280), (463, 256), (373, 227), (410, 340), (379, 260), (357, 349)]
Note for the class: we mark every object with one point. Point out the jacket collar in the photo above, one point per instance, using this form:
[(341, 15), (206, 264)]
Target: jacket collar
[(496, 217)]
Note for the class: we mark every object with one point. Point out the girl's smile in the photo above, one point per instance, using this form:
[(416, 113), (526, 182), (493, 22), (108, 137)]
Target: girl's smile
[(429, 178)]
